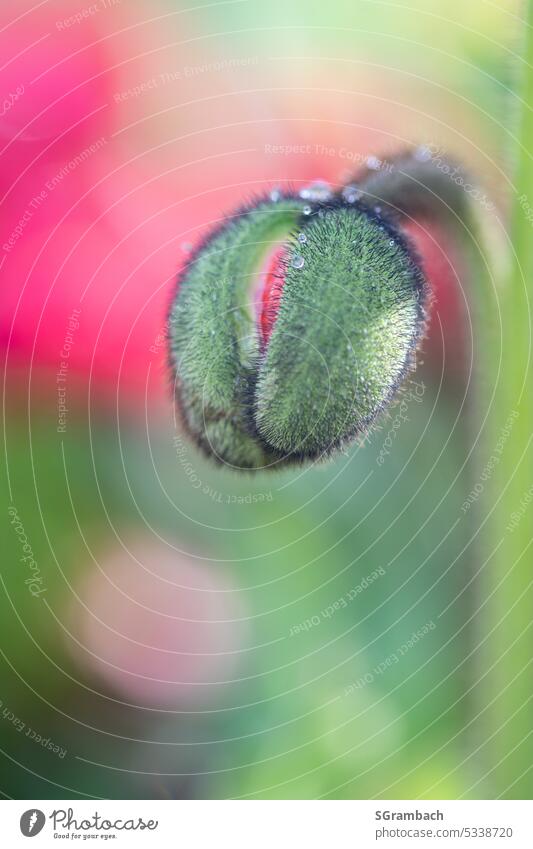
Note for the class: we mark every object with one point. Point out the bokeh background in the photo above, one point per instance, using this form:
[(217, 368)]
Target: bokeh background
[(170, 629)]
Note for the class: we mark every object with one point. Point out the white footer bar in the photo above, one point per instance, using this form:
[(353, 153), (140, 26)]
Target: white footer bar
[(268, 824)]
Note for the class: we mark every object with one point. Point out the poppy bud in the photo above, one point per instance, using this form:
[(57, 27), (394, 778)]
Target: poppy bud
[(344, 315)]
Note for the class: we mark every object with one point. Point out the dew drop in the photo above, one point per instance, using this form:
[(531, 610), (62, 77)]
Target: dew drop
[(422, 153), (297, 261), (351, 194), (318, 190), (373, 163), (275, 195), (306, 210), (302, 238)]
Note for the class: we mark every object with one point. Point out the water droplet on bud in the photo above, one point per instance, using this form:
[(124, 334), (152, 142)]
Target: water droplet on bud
[(422, 153), (317, 191), (351, 194)]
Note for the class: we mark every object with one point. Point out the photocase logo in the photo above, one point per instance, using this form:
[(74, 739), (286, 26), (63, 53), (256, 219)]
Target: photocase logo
[(32, 822)]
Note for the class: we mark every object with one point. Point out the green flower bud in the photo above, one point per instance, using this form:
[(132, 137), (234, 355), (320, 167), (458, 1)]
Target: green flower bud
[(347, 313)]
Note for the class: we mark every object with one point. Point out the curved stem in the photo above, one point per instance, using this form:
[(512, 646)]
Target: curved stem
[(500, 726), (506, 587)]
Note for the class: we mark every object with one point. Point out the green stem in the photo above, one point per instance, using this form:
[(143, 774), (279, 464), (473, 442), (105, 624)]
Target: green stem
[(505, 586), (500, 292)]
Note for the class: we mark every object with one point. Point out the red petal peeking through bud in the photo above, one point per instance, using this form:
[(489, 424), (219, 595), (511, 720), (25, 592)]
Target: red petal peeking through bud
[(271, 294), (322, 334)]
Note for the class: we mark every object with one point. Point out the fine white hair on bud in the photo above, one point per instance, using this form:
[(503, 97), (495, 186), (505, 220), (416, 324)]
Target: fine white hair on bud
[(308, 362)]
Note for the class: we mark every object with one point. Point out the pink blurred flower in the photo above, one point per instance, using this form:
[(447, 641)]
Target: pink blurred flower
[(159, 628), (104, 187)]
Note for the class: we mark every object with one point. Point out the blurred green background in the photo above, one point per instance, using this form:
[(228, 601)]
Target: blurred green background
[(200, 634)]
